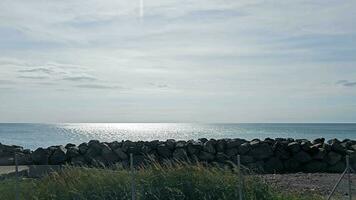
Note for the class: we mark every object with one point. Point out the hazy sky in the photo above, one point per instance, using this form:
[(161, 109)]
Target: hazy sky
[(177, 61)]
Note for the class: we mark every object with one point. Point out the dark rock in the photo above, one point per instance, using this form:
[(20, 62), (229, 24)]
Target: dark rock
[(273, 165), (6, 161), (78, 161), (83, 148), (320, 155), (203, 140), (70, 145), (231, 152), (206, 156), (319, 141), (291, 165), (294, 147), (72, 152), (280, 150), (171, 144), (234, 143), (332, 158), (221, 157), (337, 147), (261, 151), (339, 167), (180, 154), (244, 148), (302, 157), (246, 159), (121, 154), (40, 156), (315, 166), (220, 145), (109, 156), (59, 156), (209, 147), (305, 145), (164, 151), (181, 144), (193, 147)]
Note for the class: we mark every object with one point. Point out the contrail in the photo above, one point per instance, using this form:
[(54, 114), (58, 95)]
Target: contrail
[(141, 9)]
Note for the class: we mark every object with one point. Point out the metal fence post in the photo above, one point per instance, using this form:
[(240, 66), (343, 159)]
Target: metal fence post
[(17, 194), (133, 187), (348, 167), (240, 176)]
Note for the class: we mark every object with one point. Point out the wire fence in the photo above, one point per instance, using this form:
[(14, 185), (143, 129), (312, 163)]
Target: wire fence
[(37, 171)]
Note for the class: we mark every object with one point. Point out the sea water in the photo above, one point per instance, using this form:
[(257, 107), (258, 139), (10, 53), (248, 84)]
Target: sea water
[(44, 135)]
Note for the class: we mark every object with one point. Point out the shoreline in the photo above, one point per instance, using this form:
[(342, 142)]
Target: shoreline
[(280, 155)]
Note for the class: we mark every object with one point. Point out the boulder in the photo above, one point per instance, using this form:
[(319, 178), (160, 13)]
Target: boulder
[(339, 167), (180, 154), (70, 145), (231, 152), (209, 147), (78, 161), (24, 159), (164, 151), (121, 154), (315, 166), (59, 156), (294, 147), (6, 161), (246, 159), (72, 152), (332, 158), (206, 156), (220, 145), (221, 157), (83, 148), (109, 156), (291, 165), (302, 157), (320, 155), (261, 151), (244, 148), (234, 143), (40, 156), (171, 144), (273, 165), (319, 141)]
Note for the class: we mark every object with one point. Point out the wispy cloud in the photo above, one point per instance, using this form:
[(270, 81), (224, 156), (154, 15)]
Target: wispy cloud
[(6, 82), (34, 77), (40, 69), (80, 78), (346, 83), (98, 86)]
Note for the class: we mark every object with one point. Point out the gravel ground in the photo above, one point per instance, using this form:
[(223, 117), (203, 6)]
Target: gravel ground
[(317, 183)]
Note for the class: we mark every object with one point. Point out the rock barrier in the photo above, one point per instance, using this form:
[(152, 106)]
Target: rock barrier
[(280, 155)]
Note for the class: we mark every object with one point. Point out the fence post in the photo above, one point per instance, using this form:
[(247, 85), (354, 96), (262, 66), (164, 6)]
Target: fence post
[(348, 167), (133, 188), (17, 195), (240, 176)]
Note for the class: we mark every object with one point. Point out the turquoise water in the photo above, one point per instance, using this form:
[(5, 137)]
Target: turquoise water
[(44, 135)]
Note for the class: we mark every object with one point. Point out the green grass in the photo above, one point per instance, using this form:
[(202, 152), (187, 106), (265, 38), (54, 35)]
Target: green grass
[(156, 182)]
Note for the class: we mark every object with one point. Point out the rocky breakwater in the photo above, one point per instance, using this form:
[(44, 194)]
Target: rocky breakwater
[(267, 156)]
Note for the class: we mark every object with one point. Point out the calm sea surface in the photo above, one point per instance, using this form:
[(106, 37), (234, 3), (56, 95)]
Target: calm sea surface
[(44, 135)]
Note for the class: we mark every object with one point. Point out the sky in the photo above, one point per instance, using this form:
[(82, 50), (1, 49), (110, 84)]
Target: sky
[(177, 61)]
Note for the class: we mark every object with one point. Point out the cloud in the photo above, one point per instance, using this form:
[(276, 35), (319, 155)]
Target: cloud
[(33, 77), (80, 78), (6, 82), (346, 83), (40, 69), (97, 86)]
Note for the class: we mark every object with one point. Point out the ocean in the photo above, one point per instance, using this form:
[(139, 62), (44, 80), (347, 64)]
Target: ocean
[(43, 135)]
